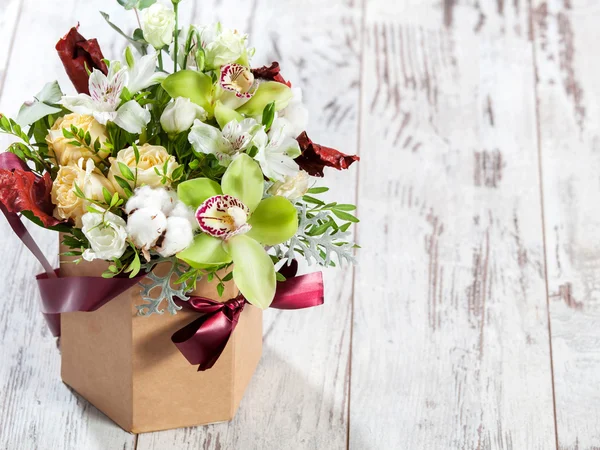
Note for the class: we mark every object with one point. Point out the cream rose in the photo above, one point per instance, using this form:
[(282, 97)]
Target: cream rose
[(292, 187), (66, 153), (151, 157), (88, 179)]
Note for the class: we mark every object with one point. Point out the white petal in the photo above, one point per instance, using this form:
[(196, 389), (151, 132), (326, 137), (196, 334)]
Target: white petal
[(80, 104), (209, 140), (143, 74), (132, 117)]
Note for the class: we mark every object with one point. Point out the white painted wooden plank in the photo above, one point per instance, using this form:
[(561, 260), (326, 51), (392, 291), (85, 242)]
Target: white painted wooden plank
[(298, 397), (37, 410), (9, 17), (450, 344), (566, 36)]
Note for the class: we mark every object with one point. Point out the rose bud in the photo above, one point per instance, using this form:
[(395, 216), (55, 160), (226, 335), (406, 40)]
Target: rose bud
[(80, 55), (180, 114)]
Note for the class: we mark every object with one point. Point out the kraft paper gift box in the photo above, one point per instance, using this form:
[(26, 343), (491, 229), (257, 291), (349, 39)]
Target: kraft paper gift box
[(127, 366)]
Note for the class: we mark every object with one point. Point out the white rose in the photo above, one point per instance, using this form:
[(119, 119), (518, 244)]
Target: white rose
[(180, 114), (107, 235), (295, 114), (151, 157), (221, 45), (292, 187), (158, 23)]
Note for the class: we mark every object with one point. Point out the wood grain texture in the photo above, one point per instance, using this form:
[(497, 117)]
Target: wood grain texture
[(298, 397), (566, 36), (37, 411), (450, 345)]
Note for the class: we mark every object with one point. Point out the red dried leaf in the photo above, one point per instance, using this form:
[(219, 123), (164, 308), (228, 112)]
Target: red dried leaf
[(270, 73), (76, 52), (315, 157), (22, 190)]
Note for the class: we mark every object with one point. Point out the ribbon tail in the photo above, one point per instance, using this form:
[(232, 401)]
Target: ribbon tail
[(304, 291), (203, 340)]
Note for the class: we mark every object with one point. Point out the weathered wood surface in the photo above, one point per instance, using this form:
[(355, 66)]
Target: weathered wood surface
[(472, 320), (566, 36)]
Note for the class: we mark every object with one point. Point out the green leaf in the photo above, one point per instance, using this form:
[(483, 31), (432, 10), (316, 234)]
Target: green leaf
[(204, 252), (126, 172), (253, 270), (196, 86), (224, 115), (268, 115), (280, 277), (220, 289), (274, 221), (318, 190), (344, 207), (345, 216), (194, 192), (268, 92), (138, 46), (228, 277), (243, 180), (316, 201)]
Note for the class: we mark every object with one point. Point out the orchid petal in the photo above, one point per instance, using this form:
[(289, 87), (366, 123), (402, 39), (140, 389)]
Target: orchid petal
[(268, 92), (190, 84), (195, 192), (243, 179), (224, 115), (132, 117), (205, 251), (253, 270), (274, 221)]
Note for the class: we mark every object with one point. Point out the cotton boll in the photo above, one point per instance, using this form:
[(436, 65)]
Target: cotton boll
[(155, 198), (185, 212), (178, 237), (145, 226)]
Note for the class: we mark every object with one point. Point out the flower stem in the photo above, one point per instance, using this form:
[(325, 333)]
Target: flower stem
[(176, 37), (160, 61)]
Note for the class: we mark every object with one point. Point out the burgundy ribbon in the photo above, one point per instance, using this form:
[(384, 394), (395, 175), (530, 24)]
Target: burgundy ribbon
[(203, 340)]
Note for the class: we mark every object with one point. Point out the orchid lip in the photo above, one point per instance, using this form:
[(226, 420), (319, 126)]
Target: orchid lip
[(239, 80), (223, 216)]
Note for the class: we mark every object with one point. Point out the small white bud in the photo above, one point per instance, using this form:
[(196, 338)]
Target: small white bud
[(180, 114)]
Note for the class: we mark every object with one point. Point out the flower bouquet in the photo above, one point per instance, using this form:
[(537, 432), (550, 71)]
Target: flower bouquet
[(182, 169)]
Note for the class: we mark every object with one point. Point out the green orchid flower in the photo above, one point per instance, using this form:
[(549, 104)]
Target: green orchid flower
[(237, 224)]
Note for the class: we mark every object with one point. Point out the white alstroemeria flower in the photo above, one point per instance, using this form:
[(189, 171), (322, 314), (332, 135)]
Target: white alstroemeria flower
[(104, 99), (235, 138), (222, 45), (295, 114), (142, 72), (276, 152), (180, 114), (292, 187), (158, 23), (106, 233)]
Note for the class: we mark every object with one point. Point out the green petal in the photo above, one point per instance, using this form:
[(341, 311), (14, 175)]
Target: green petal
[(268, 92), (196, 86), (205, 251), (253, 270), (194, 192), (224, 115), (274, 221), (244, 180)]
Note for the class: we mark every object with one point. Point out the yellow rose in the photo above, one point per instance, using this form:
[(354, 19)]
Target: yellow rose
[(88, 179), (151, 157), (66, 153)]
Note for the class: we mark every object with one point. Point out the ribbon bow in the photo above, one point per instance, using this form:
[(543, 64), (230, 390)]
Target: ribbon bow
[(203, 340)]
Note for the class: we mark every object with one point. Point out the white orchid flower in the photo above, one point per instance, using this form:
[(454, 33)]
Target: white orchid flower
[(142, 72), (276, 152), (235, 138), (104, 99)]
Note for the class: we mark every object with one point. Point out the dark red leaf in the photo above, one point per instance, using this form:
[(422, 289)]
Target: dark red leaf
[(315, 157), (22, 190), (270, 73), (76, 52)]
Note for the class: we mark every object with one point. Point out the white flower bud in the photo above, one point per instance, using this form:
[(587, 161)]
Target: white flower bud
[(295, 115), (178, 237), (145, 226), (106, 233), (292, 187), (180, 114), (158, 23)]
